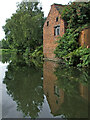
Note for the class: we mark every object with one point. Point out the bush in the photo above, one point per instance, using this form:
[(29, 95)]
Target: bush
[(80, 57), (38, 53), (77, 18)]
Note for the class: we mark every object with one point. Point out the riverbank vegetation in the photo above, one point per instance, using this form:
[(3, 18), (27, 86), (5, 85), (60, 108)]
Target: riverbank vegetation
[(24, 33), (24, 30), (76, 15)]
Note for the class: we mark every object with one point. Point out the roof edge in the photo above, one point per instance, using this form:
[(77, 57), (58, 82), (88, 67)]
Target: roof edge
[(58, 4)]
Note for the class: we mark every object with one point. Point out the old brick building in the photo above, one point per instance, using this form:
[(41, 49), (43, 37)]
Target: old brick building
[(53, 28), (84, 37)]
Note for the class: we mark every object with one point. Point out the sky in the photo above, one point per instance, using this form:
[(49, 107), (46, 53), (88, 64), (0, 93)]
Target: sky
[(8, 7)]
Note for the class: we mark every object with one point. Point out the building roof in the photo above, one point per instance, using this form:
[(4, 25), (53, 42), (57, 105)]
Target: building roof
[(59, 7)]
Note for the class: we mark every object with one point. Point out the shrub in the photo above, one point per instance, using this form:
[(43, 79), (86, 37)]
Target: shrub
[(77, 18)]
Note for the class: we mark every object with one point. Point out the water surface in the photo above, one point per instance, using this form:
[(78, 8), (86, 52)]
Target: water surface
[(43, 90)]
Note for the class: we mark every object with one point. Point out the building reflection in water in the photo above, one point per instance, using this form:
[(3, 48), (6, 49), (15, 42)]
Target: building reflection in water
[(70, 100), (84, 91), (54, 94)]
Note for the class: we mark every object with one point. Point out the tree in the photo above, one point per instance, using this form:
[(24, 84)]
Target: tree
[(25, 90), (5, 44), (76, 14), (24, 30), (0, 44)]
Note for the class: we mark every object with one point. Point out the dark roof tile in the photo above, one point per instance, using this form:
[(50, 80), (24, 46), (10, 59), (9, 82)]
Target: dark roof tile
[(59, 7)]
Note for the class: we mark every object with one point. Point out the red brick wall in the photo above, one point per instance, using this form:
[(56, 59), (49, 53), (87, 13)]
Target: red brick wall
[(49, 40), (84, 38)]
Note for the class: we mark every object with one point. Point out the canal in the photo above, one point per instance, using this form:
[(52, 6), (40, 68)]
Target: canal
[(43, 90)]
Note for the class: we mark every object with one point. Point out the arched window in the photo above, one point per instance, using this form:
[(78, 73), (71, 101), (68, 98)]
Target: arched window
[(57, 30)]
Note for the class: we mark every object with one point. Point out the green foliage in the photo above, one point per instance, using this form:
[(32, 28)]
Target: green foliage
[(70, 77), (84, 56), (4, 44), (26, 55), (76, 14), (7, 55), (77, 18), (0, 44), (71, 80), (25, 86), (24, 30), (38, 53), (67, 43)]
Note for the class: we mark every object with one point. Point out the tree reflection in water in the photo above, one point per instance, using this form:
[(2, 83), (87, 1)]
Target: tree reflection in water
[(74, 83), (24, 85), (66, 90)]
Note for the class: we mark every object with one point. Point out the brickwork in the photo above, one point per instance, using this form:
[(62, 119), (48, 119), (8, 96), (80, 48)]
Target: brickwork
[(84, 38), (49, 39)]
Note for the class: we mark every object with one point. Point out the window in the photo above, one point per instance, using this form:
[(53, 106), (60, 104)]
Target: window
[(56, 19), (57, 30), (56, 91), (47, 23)]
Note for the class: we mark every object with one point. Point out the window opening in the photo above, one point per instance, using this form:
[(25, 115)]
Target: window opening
[(57, 30), (56, 19), (47, 23)]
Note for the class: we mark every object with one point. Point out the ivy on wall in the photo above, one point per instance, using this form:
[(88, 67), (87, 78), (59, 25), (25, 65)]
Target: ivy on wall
[(77, 17)]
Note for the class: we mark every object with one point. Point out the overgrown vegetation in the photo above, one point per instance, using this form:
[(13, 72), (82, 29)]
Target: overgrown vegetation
[(77, 17), (24, 30), (4, 44), (70, 80), (0, 44), (37, 54)]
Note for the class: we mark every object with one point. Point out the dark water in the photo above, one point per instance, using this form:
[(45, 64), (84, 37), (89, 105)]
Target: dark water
[(43, 90)]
